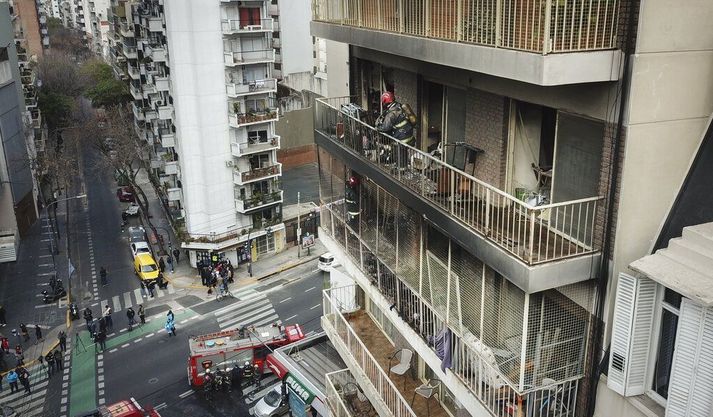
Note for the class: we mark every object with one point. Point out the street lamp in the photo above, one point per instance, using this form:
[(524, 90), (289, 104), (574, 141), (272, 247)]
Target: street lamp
[(47, 215)]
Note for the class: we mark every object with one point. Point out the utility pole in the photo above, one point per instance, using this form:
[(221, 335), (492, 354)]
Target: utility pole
[(299, 226)]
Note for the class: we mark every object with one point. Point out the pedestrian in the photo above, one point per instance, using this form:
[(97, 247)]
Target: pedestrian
[(24, 377), (58, 360), (161, 264), (101, 338), (19, 356), (88, 315), (5, 345), (142, 314), (62, 340), (3, 322), (177, 254), (107, 316), (102, 274), (102, 324), (169, 260), (170, 327), (170, 315), (12, 381), (49, 358), (38, 333), (130, 316), (17, 336), (25, 333), (143, 289), (150, 286), (41, 360)]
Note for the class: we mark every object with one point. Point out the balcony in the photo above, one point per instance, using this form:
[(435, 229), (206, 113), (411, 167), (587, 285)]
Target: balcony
[(126, 31), (544, 42), (537, 247), (263, 56), (251, 87), (156, 52), (247, 204), (273, 10), (133, 72), (162, 83), (168, 138), (165, 112), (238, 120), (171, 168), (235, 26), (129, 51), (135, 92), (254, 146), (474, 375), (155, 24), (276, 43), (246, 177), (174, 194), (344, 397)]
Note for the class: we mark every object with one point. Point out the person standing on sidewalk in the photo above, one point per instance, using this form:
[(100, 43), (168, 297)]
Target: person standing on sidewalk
[(177, 254), (58, 360), (107, 316), (12, 381), (101, 338), (142, 314), (62, 336), (102, 274), (49, 358), (24, 377), (25, 333), (169, 260), (161, 265), (38, 333), (130, 316), (3, 322)]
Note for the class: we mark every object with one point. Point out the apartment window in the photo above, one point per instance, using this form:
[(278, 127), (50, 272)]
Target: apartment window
[(265, 243), (669, 310), (257, 136)]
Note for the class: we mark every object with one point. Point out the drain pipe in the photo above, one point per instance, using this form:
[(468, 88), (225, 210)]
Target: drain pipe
[(598, 366)]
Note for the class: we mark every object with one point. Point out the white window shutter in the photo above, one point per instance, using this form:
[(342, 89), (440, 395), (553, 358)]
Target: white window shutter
[(632, 326), (690, 392)]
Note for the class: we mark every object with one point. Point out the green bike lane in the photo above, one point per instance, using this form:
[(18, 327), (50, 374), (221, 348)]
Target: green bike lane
[(84, 380)]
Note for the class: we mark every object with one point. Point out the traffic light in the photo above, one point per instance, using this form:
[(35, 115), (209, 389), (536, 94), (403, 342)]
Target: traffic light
[(351, 198)]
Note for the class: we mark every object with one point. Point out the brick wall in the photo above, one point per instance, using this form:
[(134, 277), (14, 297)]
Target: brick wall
[(486, 127), (296, 156)]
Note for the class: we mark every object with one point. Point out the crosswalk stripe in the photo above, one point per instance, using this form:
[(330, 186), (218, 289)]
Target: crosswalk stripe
[(127, 299), (103, 304), (247, 319), (267, 321), (138, 296), (159, 291), (239, 308), (171, 290), (117, 303), (243, 311), (18, 397), (31, 408)]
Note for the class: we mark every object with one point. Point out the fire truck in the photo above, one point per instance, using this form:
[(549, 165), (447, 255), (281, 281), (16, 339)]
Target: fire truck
[(230, 348)]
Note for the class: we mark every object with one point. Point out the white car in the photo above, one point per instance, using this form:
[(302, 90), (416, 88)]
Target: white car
[(271, 404), (140, 247), (132, 210), (327, 262)]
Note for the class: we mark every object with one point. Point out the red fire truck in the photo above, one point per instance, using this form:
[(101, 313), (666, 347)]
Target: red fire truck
[(235, 347)]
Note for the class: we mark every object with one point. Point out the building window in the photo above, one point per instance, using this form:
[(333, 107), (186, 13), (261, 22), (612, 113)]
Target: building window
[(670, 310), (265, 244)]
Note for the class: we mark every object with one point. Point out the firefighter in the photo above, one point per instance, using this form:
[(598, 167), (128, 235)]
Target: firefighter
[(351, 198), (397, 121)]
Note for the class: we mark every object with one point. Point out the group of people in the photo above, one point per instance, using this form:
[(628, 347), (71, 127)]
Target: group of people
[(226, 380), (218, 275)]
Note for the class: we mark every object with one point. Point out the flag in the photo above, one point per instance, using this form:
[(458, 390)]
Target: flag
[(70, 269)]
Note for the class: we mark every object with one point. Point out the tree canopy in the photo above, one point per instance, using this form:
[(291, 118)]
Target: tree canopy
[(103, 89)]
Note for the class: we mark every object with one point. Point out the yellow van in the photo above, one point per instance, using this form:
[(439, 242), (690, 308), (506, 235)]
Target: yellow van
[(145, 267)]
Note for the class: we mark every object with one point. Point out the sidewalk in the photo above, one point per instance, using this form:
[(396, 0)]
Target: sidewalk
[(185, 276)]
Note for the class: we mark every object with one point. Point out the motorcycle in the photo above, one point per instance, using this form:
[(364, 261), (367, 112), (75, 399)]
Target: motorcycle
[(73, 312), (55, 295)]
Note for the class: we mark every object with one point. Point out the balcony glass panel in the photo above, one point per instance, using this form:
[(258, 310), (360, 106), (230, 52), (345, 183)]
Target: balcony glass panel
[(542, 26), (533, 234)]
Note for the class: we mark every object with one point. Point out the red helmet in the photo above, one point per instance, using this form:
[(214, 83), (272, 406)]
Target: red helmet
[(387, 97)]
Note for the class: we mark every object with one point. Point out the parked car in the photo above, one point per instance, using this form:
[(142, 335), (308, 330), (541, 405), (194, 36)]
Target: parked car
[(145, 267), (327, 262), (132, 210), (124, 408), (139, 248), (137, 234), (125, 194), (271, 404)]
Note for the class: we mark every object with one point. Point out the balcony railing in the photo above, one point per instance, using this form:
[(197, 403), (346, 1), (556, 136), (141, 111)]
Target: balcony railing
[(542, 26), (341, 332), (129, 51), (254, 146), (471, 362), (258, 201), (342, 392), (251, 118), (251, 87), (236, 26), (245, 177), (249, 57), (533, 234)]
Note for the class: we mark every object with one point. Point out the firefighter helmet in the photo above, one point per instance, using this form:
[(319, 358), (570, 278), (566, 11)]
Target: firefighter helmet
[(387, 97)]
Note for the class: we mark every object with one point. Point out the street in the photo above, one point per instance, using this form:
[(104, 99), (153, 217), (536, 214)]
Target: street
[(144, 363)]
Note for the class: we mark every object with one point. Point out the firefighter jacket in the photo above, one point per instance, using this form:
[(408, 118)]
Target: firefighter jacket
[(394, 122)]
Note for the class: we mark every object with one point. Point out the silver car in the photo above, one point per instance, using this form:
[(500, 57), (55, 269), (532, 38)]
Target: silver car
[(271, 404)]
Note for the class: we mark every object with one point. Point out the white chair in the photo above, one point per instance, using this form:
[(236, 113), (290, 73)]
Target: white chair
[(404, 364), (427, 390)]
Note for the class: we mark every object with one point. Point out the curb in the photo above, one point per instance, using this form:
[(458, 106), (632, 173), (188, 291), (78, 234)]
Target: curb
[(286, 268), (32, 362)]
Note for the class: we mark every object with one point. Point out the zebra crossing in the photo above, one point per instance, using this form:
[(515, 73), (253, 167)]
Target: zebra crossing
[(254, 308), (134, 297), (28, 405)]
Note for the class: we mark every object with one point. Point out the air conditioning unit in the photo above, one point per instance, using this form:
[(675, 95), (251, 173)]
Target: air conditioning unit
[(229, 164)]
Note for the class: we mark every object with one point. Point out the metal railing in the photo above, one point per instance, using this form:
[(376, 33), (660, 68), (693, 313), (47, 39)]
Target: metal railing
[(248, 57), (252, 146), (235, 25), (335, 402), (345, 334), (543, 26), (534, 234), (257, 173), (255, 201), (250, 87)]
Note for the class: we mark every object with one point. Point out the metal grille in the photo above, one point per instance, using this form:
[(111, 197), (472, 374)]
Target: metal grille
[(470, 272)]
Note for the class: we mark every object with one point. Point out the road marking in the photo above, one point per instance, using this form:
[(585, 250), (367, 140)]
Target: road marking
[(252, 320), (171, 290), (286, 299), (44, 240), (313, 307), (138, 296), (45, 265), (149, 335), (127, 300), (186, 394), (267, 308), (125, 345), (113, 350), (43, 305), (45, 256), (44, 274), (238, 307), (310, 289), (290, 318), (117, 303)]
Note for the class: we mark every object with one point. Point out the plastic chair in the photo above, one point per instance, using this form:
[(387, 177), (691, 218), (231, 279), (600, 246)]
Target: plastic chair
[(404, 363), (427, 390)]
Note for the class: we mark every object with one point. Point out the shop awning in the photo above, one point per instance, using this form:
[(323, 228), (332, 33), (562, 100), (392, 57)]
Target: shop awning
[(685, 266)]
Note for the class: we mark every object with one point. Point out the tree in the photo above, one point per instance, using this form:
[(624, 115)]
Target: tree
[(56, 109), (67, 40), (104, 89), (62, 83)]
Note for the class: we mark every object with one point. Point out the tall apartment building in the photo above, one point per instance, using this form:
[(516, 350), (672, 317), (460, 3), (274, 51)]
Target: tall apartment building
[(552, 139), (204, 98)]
